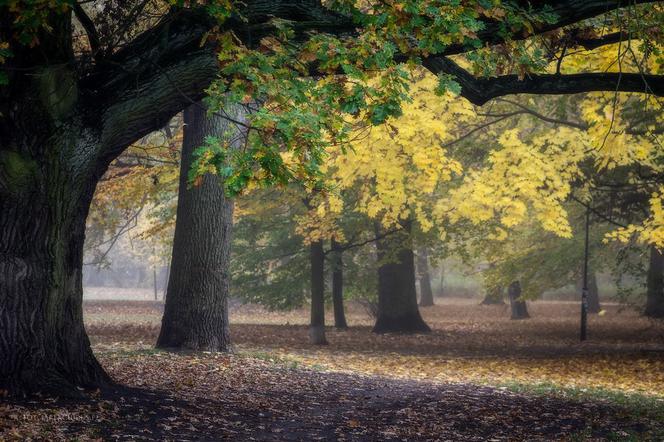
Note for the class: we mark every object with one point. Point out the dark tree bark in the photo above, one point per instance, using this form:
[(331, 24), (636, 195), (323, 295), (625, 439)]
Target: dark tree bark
[(48, 173), (426, 294), (518, 306), (43, 344), (655, 285), (337, 286), (397, 295), (594, 306), (317, 325), (493, 296), (196, 306)]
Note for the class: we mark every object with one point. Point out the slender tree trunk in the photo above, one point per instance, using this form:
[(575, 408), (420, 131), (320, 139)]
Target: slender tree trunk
[(317, 261), (594, 306), (196, 305), (441, 292), (397, 295), (655, 285), (154, 281), (494, 296), (426, 294), (337, 286), (518, 306)]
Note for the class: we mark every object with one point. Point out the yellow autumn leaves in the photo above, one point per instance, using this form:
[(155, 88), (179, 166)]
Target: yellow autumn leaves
[(404, 170)]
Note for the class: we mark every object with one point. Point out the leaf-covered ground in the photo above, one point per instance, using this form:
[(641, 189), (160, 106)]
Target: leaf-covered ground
[(478, 376)]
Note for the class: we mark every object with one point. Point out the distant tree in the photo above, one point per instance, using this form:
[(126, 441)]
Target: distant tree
[(397, 295), (337, 264), (518, 305), (426, 294)]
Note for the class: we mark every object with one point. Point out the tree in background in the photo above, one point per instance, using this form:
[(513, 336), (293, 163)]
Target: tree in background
[(337, 264), (518, 305), (196, 306), (426, 294)]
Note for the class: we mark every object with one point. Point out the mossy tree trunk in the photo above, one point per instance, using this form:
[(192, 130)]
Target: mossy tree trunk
[(397, 294), (196, 305), (426, 294), (655, 285), (43, 344), (49, 167), (58, 135), (518, 306), (337, 286)]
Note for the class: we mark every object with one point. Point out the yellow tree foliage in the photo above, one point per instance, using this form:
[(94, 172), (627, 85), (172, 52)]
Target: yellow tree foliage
[(397, 169)]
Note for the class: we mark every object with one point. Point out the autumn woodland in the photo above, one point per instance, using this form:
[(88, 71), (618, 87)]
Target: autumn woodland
[(401, 220)]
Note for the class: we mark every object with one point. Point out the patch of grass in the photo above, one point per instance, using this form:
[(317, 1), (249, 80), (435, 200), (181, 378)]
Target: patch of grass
[(281, 360), (638, 405), (270, 357), (635, 404), (127, 352)]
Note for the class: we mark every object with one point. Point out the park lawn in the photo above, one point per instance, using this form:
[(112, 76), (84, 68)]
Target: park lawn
[(477, 376), (469, 343)]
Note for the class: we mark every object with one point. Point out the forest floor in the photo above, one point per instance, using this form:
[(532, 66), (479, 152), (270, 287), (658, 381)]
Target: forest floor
[(477, 376)]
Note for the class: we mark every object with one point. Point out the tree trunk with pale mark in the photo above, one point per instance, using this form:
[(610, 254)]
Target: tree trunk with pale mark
[(518, 306), (594, 306), (317, 262), (397, 294), (337, 286), (426, 294), (196, 305), (655, 285)]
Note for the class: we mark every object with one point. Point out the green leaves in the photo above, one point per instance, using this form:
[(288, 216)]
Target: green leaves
[(447, 83)]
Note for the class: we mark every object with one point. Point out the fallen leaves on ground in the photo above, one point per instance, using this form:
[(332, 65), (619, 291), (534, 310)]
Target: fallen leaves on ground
[(380, 387), (469, 343), (210, 396)]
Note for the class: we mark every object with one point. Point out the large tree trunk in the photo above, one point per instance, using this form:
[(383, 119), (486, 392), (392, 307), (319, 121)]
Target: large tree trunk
[(317, 326), (518, 306), (46, 187), (397, 295), (337, 286), (426, 294), (655, 285), (196, 306)]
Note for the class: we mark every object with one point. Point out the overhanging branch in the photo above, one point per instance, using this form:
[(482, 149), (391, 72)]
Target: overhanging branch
[(480, 90)]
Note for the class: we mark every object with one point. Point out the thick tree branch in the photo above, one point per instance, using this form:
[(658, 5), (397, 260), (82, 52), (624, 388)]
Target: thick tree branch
[(480, 90), (90, 30), (594, 43), (169, 67)]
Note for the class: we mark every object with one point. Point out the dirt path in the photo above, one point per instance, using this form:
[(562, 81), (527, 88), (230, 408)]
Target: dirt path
[(221, 397)]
